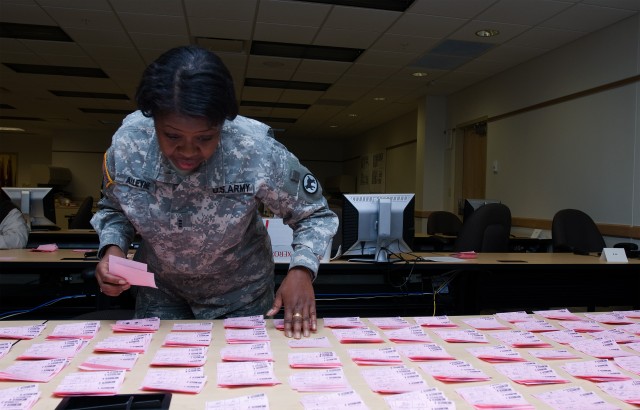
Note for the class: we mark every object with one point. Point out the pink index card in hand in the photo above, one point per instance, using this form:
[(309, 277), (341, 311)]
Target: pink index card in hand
[(133, 272)]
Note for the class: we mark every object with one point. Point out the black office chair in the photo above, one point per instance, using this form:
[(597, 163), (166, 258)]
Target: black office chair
[(82, 218), (572, 230), (486, 230), (442, 228)]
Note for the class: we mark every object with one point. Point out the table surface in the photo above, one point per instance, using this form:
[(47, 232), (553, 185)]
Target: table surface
[(282, 396), (495, 259)]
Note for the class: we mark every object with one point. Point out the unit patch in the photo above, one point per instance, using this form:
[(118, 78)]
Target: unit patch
[(310, 184)]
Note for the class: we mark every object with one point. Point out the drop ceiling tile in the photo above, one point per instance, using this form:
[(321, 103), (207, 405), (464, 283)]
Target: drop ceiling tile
[(404, 44), (346, 38), (368, 70), (163, 7), (149, 23), (54, 47), (586, 18), (619, 4), (282, 33), (239, 10), (84, 19), (261, 94), (72, 61), (320, 66), (25, 14), (374, 57), (158, 41), (425, 26), (523, 12), (447, 8), (102, 5), (215, 28), (507, 32), (300, 96), (352, 18), (89, 37), (315, 77), (546, 38), (297, 13)]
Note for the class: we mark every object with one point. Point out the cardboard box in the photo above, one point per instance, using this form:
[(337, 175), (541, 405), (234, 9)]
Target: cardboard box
[(281, 237)]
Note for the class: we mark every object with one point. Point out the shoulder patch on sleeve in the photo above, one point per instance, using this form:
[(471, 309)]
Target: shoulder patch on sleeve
[(310, 184)]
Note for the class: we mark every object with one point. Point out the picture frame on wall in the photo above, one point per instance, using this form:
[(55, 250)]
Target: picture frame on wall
[(8, 169)]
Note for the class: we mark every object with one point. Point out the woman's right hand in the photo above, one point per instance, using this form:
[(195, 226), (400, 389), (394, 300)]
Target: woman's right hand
[(110, 285)]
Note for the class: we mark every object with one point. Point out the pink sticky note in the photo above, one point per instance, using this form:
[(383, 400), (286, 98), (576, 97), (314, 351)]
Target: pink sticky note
[(133, 272)]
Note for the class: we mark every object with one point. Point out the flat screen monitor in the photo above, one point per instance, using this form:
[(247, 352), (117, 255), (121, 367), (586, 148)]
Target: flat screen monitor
[(37, 204), (375, 227), (470, 205)]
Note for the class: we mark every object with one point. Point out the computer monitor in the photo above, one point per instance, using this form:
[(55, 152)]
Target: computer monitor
[(37, 204), (470, 205), (377, 226)]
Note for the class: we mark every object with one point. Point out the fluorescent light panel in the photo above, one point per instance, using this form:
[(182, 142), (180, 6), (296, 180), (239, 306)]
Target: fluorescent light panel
[(33, 32)]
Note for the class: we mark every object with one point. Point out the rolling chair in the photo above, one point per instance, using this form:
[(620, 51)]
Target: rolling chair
[(572, 230), (82, 218), (442, 228), (487, 230)]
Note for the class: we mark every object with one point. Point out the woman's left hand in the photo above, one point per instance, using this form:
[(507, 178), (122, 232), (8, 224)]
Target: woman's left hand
[(297, 295)]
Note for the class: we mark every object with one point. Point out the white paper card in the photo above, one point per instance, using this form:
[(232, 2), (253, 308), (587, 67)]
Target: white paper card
[(613, 255)]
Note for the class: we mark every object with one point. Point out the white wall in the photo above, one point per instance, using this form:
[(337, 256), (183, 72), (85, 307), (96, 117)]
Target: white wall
[(583, 153)]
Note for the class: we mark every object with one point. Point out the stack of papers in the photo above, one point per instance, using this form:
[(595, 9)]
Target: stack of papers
[(564, 337), (494, 396), (124, 344), (250, 352), (193, 327), (319, 381), (84, 330), (461, 336), (434, 321), (187, 339), (620, 336), (485, 323), (19, 398), (633, 328), (609, 318), (430, 398), (389, 322), (515, 317), (67, 348), (5, 347), (121, 361), (250, 335), (147, 325), (425, 351), (574, 398), (189, 380), (358, 335), (314, 360), (33, 370), (627, 391), (254, 401), (558, 314), (583, 326), (90, 383), (233, 374), (180, 356), (309, 342), (413, 334), (343, 400), (455, 371), (631, 314), (529, 373), (496, 354), (135, 273), (520, 338), (595, 370), (629, 363), (21, 332), (244, 322), (600, 348), (343, 322), (384, 356), (535, 326), (553, 354), (393, 379)]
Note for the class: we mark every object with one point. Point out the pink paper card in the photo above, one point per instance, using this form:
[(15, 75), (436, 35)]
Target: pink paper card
[(133, 272)]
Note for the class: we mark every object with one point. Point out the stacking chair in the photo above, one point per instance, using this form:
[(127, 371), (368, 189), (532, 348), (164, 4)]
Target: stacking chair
[(487, 230), (442, 228), (82, 218), (572, 230)]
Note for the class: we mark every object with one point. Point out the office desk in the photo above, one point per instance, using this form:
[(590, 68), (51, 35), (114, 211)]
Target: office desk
[(282, 396), (65, 238), (492, 281)]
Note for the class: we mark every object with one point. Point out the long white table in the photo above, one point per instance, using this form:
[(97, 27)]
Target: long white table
[(282, 396)]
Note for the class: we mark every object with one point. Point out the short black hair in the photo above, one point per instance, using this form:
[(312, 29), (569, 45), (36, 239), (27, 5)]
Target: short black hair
[(191, 81)]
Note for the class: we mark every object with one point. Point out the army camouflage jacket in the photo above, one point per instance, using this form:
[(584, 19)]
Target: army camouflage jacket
[(202, 234)]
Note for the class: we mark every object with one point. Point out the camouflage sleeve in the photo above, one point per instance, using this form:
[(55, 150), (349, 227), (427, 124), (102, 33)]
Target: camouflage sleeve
[(109, 221), (299, 201)]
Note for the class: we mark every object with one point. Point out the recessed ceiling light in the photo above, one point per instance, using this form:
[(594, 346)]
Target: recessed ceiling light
[(352, 115), (333, 126), (419, 74), (488, 32), (11, 129), (379, 98)]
